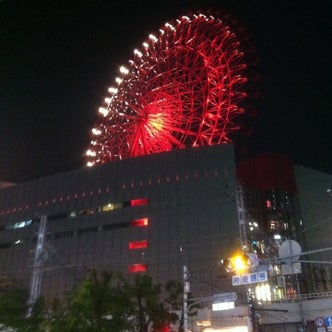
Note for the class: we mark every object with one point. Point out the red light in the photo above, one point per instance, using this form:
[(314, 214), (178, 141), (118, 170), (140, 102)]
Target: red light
[(268, 204), (139, 201), (134, 268), (138, 244), (140, 222)]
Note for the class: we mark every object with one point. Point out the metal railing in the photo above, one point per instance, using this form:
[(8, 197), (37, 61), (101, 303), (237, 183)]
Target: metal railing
[(303, 297)]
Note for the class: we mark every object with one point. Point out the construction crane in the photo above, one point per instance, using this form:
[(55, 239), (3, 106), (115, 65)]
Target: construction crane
[(42, 248)]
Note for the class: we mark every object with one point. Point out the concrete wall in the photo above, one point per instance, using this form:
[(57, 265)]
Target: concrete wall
[(316, 211)]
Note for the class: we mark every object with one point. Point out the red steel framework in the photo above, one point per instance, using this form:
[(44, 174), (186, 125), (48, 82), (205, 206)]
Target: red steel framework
[(182, 89)]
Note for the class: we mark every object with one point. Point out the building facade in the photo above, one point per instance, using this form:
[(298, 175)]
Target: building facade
[(287, 202), (156, 214), (152, 214), (314, 192)]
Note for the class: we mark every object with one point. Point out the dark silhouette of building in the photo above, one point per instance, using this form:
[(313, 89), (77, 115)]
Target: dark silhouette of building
[(156, 213), (151, 214)]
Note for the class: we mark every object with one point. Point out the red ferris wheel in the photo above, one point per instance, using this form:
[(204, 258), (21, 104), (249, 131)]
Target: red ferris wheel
[(181, 89)]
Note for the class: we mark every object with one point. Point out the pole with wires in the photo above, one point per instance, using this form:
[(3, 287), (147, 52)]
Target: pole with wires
[(36, 278), (186, 290)]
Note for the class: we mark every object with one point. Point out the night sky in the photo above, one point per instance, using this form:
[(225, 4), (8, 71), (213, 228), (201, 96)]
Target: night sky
[(58, 59)]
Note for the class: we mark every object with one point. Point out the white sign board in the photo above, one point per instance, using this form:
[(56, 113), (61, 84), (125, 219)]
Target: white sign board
[(321, 329), (223, 306)]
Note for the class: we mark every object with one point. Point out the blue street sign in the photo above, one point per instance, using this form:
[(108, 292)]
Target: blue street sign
[(262, 276), (249, 278), (236, 280), (328, 321)]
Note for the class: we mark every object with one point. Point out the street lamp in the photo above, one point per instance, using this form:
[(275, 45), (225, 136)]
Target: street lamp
[(240, 262)]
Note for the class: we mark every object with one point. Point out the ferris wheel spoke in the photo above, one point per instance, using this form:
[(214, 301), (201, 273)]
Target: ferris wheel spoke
[(182, 89)]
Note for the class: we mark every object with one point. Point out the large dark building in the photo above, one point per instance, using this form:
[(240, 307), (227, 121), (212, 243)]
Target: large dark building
[(286, 203), (314, 190), (157, 213), (273, 217), (151, 214)]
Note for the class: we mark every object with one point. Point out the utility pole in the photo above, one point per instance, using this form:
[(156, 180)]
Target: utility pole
[(241, 211), (37, 265), (186, 290)]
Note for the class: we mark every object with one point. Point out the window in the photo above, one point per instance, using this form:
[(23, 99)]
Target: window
[(20, 224), (134, 268), (138, 245), (139, 201), (111, 206), (87, 230), (64, 234), (140, 222)]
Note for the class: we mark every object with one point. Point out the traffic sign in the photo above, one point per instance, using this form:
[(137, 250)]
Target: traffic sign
[(328, 321), (319, 322), (225, 297)]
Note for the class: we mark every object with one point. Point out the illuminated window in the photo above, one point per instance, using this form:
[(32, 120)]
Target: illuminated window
[(111, 206), (86, 211), (263, 292), (138, 244), (20, 224), (134, 268), (139, 201), (273, 224), (140, 222)]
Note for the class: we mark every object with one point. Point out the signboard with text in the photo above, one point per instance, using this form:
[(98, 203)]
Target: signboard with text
[(249, 278), (225, 297), (328, 321)]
